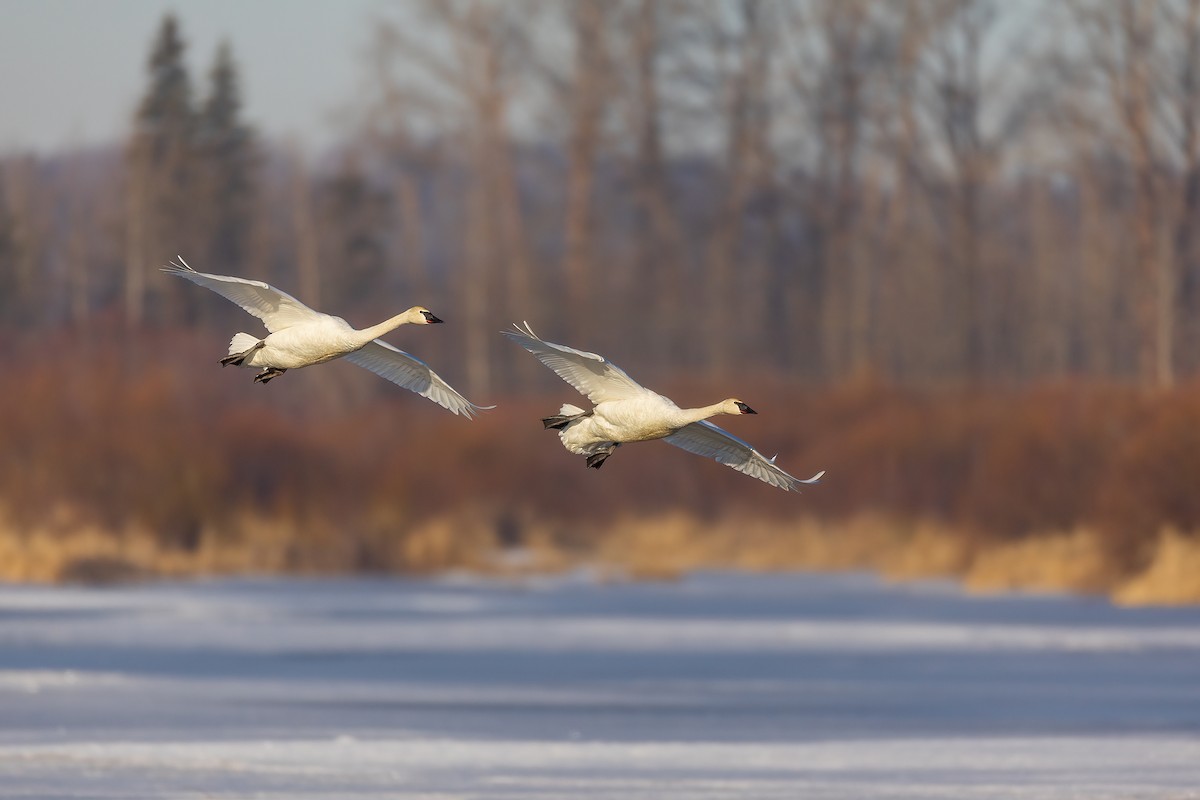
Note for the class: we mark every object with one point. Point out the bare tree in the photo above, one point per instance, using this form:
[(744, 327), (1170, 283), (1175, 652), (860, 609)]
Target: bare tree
[(960, 91), (469, 51), (743, 48), (408, 207), (832, 60), (1117, 85), (589, 88), (1181, 40), (657, 259)]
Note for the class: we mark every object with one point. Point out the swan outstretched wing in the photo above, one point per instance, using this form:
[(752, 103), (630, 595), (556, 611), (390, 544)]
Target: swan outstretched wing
[(277, 310), (706, 439), (592, 375), (413, 374)]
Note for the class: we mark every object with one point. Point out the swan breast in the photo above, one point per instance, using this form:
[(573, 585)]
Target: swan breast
[(315, 342), (637, 419)]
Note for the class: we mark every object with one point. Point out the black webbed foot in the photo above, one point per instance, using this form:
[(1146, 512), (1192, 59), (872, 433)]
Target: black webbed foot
[(596, 460), (560, 421), (267, 374), (238, 359)]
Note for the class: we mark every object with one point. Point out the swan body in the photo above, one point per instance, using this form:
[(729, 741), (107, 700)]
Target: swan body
[(625, 411), (299, 337)]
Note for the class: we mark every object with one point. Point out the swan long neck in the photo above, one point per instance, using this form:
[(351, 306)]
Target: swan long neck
[(388, 325), (689, 415)]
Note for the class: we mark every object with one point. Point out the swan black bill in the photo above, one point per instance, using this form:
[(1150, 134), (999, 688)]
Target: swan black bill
[(745, 409), (429, 317)]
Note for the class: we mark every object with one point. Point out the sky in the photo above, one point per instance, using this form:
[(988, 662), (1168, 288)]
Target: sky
[(73, 71)]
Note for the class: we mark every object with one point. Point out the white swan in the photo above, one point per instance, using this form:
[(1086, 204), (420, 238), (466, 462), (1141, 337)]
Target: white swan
[(300, 337), (625, 411)]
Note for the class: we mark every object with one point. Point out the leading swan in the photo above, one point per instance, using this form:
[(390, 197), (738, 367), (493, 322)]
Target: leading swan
[(625, 411), (298, 337)]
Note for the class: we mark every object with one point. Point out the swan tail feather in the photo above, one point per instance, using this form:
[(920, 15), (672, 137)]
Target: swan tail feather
[(565, 416), (241, 342), (240, 347)]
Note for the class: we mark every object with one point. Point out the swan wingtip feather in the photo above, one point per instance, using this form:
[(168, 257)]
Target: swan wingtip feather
[(470, 411), (525, 331), (182, 266)]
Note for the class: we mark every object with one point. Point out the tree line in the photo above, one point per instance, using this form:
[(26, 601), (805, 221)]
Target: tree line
[(928, 192)]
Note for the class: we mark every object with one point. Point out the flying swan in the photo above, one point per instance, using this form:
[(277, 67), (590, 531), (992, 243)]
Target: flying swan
[(625, 411), (300, 337)]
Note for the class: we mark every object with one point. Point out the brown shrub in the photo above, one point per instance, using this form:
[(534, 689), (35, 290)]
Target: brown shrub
[(332, 469), (1153, 476), (1041, 456)]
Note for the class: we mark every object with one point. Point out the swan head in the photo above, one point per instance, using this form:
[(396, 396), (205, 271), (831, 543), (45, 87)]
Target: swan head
[(735, 406), (422, 316)]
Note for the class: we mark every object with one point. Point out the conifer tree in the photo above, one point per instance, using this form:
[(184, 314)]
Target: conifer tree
[(226, 152), (165, 118), (161, 172), (355, 216), (9, 288)]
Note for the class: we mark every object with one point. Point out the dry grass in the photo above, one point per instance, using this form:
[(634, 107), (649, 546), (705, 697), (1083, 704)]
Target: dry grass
[(1073, 562), (653, 546), (669, 545), (1172, 578), (65, 549), (674, 543)]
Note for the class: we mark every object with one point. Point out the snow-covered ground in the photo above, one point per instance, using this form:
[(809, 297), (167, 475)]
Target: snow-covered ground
[(720, 686)]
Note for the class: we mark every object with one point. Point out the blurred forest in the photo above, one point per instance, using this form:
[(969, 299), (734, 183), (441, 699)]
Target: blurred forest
[(946, 249)]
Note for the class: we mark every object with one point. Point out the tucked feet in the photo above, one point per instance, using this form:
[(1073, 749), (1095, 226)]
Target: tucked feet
[(237, 359), (268, 373), (560, 421), (596, 460)]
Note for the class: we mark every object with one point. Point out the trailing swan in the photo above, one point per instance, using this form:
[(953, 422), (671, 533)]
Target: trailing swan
[(625, 411), (298, 337)]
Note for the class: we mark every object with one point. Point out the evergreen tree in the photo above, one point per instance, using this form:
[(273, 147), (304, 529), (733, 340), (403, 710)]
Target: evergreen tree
[(161, 161), (226, 153), (10, 295), (24, 240), (165, 119), (355, 216)]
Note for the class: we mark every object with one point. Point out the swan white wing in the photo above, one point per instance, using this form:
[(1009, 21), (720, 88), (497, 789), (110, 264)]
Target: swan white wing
[(592, 375), (706, 439), (277, 310), (413, 374)]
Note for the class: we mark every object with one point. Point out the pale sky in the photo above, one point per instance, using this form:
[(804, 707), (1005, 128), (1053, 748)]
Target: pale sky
[(72, 71)]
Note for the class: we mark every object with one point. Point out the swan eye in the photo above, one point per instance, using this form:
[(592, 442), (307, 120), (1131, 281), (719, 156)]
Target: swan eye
[(429, 317)]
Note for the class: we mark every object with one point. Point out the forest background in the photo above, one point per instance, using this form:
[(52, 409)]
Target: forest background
[(947, 249)]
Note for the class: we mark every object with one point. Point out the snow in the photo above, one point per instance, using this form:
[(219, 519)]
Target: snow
[(718, 686)]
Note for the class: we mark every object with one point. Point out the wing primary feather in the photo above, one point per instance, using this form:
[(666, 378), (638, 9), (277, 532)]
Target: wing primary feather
[(591, 374), (409, 372), (705, 439)]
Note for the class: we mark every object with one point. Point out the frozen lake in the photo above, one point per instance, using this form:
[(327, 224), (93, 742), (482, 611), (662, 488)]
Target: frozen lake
[(719, 686)]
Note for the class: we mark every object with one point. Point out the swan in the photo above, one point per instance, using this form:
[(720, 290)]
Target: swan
[(625, 411), (298, 337)]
